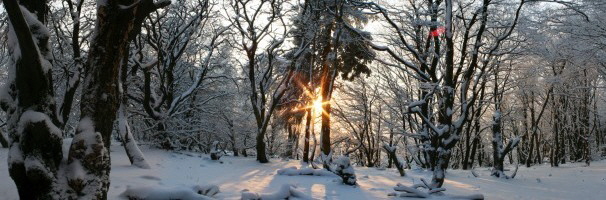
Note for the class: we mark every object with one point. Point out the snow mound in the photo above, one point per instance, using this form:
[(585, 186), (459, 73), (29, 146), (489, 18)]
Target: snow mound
[(207, 190), (342, 167), (415, 192), (286, 192), (160, 193), (293, 171)]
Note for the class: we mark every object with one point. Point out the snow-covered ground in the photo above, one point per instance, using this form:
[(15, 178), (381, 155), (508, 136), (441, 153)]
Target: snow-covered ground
[(234, 174)]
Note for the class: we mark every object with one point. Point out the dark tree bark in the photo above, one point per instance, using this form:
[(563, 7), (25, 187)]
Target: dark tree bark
[(307, 132), (39, 140), (326, 93), (474, 147), (100, 99)]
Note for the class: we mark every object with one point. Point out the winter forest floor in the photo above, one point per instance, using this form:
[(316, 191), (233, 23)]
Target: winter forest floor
[(172, 170)]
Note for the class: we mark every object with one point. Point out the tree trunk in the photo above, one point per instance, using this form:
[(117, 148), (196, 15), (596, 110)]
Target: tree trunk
[(100, 99), (34, 138), (233, 140), (467, 145), (390, 157), (533, 138), (261, 154), (499, 152), (307, 132), (326, 110), (297, 137), (556, 130), (474, 146), (497, 145), (290, 142), (480, 154), (391, 152)]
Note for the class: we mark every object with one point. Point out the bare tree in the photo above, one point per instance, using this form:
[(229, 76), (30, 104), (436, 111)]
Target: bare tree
[(432, 52), (268, 74)]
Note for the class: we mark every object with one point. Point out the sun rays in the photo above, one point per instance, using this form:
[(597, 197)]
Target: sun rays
[(311, 99)]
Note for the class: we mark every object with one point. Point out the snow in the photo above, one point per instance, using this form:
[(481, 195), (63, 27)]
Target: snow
[(401, 188), (160, 193), (33, 117), (76, 172), (14, 48), (287, 191), (389, 148), (15, 155), (34, 164), (179, 171), (416, 103), (38, 30), (293, 171), (86, 131), (138, 159)]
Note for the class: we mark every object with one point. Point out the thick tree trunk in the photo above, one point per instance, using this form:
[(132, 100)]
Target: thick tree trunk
[(441, 149), (100, 99), (307, 133), (443, 159), (290, 142), (497, 145), (261, 154), (327, 79), (35, 141), (326, 111)]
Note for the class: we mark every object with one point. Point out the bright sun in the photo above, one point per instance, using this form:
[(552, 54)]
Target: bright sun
[(318, 105)]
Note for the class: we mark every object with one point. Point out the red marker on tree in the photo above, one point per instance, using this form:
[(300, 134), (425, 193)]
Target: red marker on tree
[(439, 31)]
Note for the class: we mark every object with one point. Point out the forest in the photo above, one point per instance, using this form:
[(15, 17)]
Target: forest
[(302, 99)]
